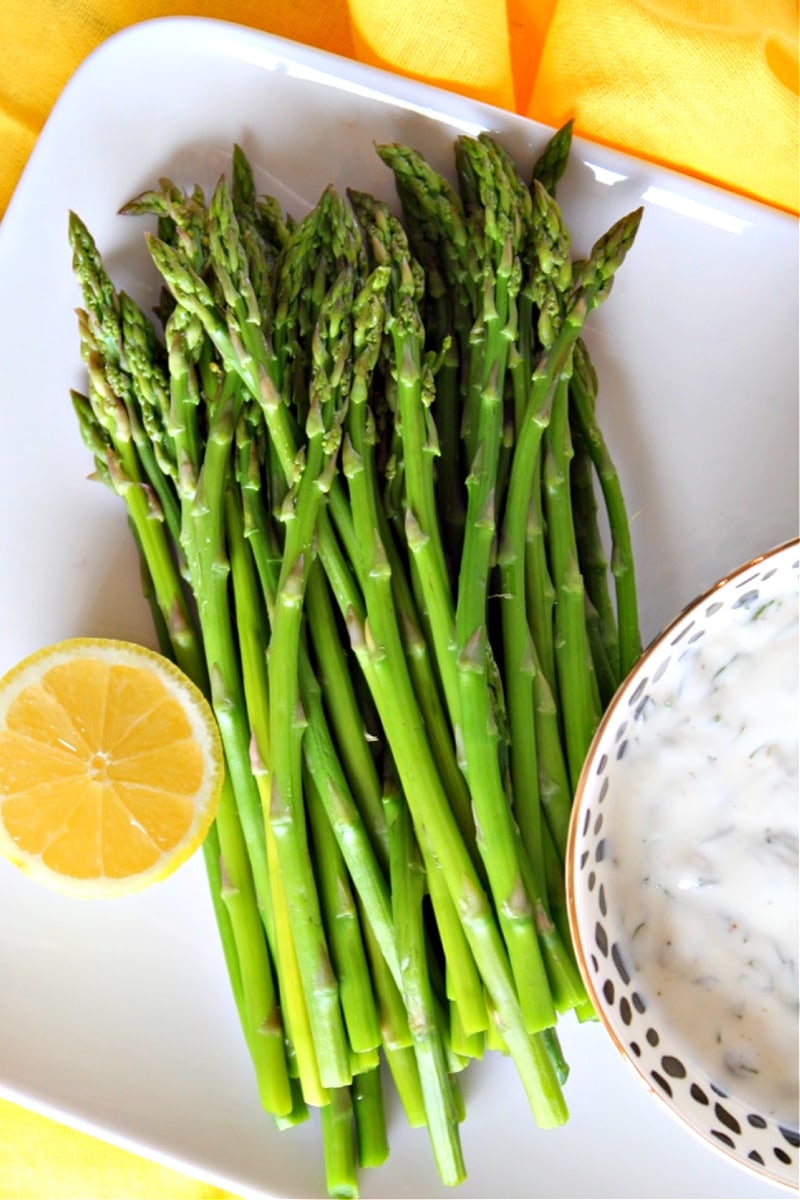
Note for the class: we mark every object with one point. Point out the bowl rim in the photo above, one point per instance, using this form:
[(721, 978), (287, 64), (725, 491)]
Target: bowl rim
[(609, 715)]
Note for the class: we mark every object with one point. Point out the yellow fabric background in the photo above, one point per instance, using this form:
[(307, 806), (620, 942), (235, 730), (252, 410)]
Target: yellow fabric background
[(706, 86)]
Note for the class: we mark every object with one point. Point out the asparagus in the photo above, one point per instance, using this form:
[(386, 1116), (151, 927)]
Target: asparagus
[(600, 617), (552, 162), (296, 525), (407, 891), (368, 1108), (418, 439), (583, 391), (286, 816), (573, 658), (105, 423), (378, 647), (251, 617), (348, 955), (359, 466), (487, 188), (339, 1139)]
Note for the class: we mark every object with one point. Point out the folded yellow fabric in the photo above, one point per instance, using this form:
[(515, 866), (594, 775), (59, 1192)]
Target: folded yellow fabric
[(706, 86)]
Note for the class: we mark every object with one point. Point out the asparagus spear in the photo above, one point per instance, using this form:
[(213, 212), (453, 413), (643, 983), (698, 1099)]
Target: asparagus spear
[(600, 618), (552, 162), (368, 1108), (418, 440), (287, 817), (407, 895), (582, 713), (583, 390)]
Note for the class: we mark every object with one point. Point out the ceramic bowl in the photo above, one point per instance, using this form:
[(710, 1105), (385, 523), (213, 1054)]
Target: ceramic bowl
[(674, 884)]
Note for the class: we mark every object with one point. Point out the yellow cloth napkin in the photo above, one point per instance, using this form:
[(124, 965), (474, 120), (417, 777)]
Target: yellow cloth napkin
[(706, 86)]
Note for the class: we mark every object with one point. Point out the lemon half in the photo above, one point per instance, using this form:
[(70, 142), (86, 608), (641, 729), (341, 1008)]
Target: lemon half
[(110, 767)]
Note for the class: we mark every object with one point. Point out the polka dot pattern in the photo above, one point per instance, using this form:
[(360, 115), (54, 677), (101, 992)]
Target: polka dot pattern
[(754, 1140)]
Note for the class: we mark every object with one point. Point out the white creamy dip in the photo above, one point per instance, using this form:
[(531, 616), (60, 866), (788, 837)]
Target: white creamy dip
[(706, 847)]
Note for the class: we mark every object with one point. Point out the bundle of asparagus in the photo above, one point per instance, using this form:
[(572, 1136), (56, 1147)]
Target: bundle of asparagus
[(358, 453)]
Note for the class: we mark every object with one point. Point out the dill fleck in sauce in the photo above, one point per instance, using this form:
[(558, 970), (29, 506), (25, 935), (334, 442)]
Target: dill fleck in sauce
[(709, 850)]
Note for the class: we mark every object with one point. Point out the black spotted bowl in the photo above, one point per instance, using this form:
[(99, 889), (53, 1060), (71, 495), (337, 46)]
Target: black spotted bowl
[(682, 867)]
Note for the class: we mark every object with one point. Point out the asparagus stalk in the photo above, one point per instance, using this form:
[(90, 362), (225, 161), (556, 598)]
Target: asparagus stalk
[(287, 813), (368, 1108), (496, 839), (407, 894), (601, 623), (263, 1023), (253, 637), (344, 932), (582, 398), (339, 1140), (417, 437), (253, 634), (549, 276), (574, 665), (552, 162), (379, 581), (582, 713)]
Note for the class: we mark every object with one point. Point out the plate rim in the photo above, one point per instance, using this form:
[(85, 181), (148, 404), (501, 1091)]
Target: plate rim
[(401, 84), (402, 88)]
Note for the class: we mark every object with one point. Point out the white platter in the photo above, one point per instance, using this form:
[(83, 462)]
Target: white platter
[(117, 1018)]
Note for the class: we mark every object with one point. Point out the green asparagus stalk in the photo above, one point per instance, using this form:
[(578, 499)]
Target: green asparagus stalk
[(339, 1140), (344, 930), (582, 398), (287, 810), (552, 162), (574, 665), (549, 275), (378, 578), (368, 1108), (407, 894), (253, 635), (263, 1021), (478, 726), (417, 438), (601, 622)]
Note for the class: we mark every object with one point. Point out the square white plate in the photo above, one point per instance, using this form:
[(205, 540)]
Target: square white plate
[(116, 1018)]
